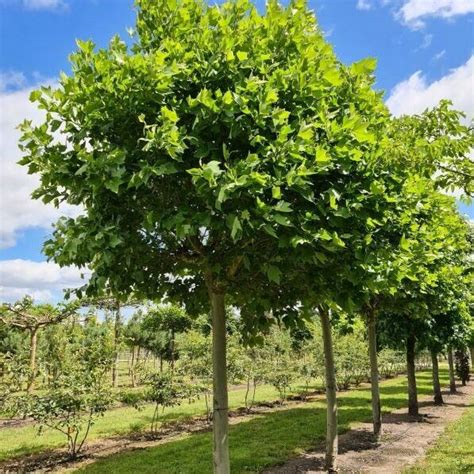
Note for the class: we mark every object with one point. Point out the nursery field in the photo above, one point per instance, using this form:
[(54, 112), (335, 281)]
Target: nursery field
[(286, 433), (288, 430), (259, 265)]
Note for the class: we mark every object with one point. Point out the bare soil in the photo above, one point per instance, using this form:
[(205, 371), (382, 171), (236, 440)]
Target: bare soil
[(404, 441)]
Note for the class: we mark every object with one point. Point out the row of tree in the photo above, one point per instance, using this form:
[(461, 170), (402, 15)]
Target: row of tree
[(228, 157), (76, 357)]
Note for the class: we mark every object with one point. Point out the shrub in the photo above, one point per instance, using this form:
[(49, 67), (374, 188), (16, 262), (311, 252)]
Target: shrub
[(164, 390), (70, 406)]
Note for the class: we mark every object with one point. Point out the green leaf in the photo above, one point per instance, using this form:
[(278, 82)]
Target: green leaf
[(283, 206), (282, 220), (242, 55), (235, 228), (274, 274), (365, 66), (322, 156), (306, 133), (404, 243), (276, 192)]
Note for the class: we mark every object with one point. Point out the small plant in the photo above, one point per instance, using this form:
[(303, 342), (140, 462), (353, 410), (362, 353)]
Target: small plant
[(70, 407), (164, 390)]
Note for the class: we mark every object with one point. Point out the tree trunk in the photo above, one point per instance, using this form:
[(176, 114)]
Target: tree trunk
[(472, 357), (331, 387), (220, 419), (115, 368), (374, 375), (132, 371), (412, 393), (172, 351), (452, 380), (33, 345), (438, 397)]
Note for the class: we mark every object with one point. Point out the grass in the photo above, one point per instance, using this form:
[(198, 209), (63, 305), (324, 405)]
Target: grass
[(263, 440), (454, 450), (25, 440)]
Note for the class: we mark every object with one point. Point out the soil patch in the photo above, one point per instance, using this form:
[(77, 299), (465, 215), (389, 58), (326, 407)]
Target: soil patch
[(404, 441)]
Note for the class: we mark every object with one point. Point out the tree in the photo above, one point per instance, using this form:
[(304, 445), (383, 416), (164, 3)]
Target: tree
[(110, 303), (168, 320), (29, 317), (436, 144), (222, 148), (462, 365)]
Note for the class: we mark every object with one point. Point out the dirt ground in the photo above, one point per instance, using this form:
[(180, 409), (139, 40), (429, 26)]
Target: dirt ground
[(404, 440)]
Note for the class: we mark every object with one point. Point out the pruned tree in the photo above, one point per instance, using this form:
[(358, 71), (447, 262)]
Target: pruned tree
[(112, 304), (27, 316)]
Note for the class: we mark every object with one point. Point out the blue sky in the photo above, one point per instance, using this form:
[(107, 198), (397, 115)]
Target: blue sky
[(424, 50)]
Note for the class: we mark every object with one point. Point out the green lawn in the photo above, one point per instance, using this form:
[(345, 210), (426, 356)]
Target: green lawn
[(454, 450), (263, 440), (25, 440)]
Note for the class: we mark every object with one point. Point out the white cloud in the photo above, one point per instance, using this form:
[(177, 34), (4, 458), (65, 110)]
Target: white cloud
[(17, 210), (364, 5), (439, 55), (415, 94), (427, 39), (43, 4), (41, 280), (413, 12), (11, 80)]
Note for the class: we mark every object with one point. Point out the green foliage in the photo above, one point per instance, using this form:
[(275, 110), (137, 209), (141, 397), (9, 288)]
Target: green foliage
[(352, 360), (461, 361), (223, 148), (70, 406), (164, 390)]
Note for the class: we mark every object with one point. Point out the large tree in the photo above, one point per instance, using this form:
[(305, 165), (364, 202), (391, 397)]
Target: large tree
[(224, 151)]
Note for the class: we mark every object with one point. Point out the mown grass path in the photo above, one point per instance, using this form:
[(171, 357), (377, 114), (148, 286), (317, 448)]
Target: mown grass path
[(454, 450)]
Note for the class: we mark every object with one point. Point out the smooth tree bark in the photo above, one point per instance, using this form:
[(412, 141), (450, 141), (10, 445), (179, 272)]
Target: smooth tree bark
[(412, 392), (33, 346), (452, 379), (438, 397), (374, 374), (331, 387), (115, 368), (220, 419)]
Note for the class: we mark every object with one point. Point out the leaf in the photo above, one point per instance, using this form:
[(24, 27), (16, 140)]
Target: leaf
[(270, 230), (227, 98), (283, 206), (306, 134), (113, 185), (282, 220), (276, 192), (114, 241), (404, 243), (333, 77), (271, 97), (169, 114), (274, 274), (242, 55), (365, 66), (322, 156), (233, 223), (230, 56)]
